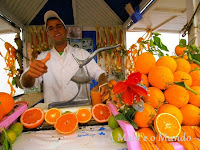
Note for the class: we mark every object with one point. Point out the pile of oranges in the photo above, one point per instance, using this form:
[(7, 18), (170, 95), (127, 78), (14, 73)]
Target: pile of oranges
[(172, 110)]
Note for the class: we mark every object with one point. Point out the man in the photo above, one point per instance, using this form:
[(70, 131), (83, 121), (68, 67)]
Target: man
[(57, 70)]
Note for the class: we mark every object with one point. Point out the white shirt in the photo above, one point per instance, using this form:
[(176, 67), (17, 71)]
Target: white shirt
[(61, 68)]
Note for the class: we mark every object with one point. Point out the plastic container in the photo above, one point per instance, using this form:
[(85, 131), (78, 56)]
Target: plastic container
[(6, 121)]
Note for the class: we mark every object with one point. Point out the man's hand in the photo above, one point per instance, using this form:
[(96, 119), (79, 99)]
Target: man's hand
[(38, 67), (104, 91)]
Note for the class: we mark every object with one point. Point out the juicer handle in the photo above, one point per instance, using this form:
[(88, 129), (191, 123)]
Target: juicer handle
[(86, 61)]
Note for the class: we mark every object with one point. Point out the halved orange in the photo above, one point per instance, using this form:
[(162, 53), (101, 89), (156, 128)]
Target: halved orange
[(167, 125), (32, 118), (84, 115), (51, 115), (67, 123), (101, 113)]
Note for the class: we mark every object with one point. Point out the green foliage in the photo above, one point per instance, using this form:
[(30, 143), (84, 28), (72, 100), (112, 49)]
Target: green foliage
[(182, 43), (156, 45), (5, 141), (182, 83), (127, 114)]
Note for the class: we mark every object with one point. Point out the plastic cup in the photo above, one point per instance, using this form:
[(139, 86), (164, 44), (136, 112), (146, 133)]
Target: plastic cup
[(96, 96)]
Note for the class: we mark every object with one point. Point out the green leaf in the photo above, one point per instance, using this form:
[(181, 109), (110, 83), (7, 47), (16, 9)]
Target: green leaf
[(5, 141), (195, 58), (185, 86), (151, 43), (190, 56), (130, 113), (164, 48), (157, 41), (182, 43), (134, 124), (156, 33), (120, 116)]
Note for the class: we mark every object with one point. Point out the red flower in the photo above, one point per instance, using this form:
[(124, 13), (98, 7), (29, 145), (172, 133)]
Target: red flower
[(130, 90)]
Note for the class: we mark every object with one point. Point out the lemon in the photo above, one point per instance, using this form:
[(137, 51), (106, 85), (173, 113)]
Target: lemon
[(17, 127), (112, 122), (66, 112), (12, 135), (118, 135)]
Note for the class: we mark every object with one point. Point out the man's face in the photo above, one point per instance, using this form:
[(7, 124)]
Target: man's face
[(56, 31)]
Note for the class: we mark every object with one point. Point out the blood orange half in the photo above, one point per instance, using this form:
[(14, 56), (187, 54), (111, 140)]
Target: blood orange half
[(52, 115), (101, 113), (84, 115), (67, 123), (32, 118)]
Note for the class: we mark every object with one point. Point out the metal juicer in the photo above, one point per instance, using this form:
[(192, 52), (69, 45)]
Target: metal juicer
[(83, 80)]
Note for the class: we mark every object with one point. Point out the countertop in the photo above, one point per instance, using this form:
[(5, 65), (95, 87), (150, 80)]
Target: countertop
[(31, 98)]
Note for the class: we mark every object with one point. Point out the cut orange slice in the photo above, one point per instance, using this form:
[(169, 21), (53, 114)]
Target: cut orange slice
[(167, 125), (67, 123), (51, 115), (101, 113), (32, 118), (84, 115)]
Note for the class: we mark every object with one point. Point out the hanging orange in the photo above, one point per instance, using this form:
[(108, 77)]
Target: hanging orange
[(7, 103), (101, 113), (32, 117), (67, 123), (167, 125), (84, 115), (51, 115)]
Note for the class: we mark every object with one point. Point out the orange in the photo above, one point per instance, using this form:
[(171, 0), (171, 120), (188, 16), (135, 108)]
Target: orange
[(51, 115), (67, 123), (155, 97), (191, 115), (189, 131), (160, 77), (194, 99), (145, 118), (7, 102), (32, 117), (167, 61), (84, 115), (185, 57), (149, 133), (171, 109), (167, 125), (182, 76), (1, 112), (113, 82), (195, 75), (144, 80), (183, 65), (101, 113), (176, 95), (145, 62), (180, 50), (194, 66)]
